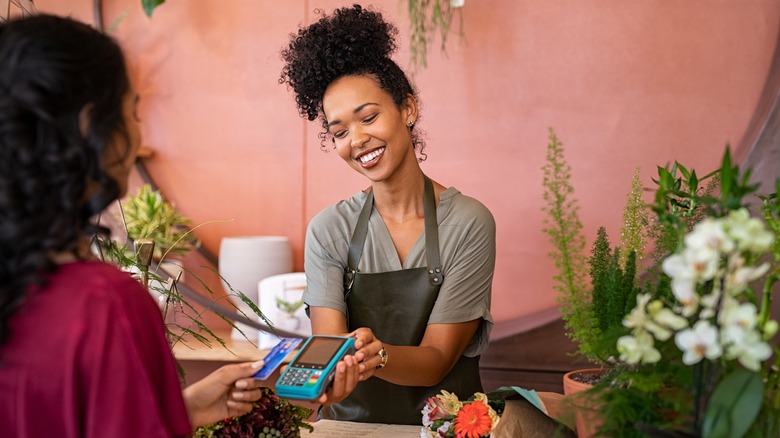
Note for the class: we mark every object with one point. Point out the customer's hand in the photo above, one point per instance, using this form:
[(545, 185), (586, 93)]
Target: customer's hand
[(227, 392)]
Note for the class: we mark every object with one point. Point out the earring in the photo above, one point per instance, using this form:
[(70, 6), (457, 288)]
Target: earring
[(411, 124)]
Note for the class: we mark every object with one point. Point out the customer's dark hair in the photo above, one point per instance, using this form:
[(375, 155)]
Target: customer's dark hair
[(351, 42), (52, 181)]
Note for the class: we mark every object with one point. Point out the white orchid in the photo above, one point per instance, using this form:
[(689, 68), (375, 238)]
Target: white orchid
[(684, 280), (749, 233), (664, 321), (638, 315), (638, 348), (716, 252), (739, 275), (699, 342), (708, 236), (746, 346)]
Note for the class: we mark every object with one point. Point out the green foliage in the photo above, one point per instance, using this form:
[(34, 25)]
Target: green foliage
[(271, 416), (288, 307), (147, 214), (734, 405), (603, 277), (563, 226), (614, 289), (429, 17), (150, 5), (635, 222)]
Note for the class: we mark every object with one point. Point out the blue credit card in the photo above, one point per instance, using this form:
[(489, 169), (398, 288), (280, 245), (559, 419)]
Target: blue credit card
[(275, 357)]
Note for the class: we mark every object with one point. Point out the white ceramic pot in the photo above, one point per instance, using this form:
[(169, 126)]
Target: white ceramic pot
[(244, 261)]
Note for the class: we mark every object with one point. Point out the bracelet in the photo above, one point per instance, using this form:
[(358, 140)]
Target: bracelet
[(382, 354)]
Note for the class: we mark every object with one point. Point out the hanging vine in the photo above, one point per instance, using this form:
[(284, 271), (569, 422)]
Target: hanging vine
[(427, 18)]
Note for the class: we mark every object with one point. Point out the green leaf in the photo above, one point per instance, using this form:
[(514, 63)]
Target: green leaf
[(150, 5), (734, 405)]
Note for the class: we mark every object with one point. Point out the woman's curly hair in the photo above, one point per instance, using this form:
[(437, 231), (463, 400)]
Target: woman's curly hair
[(52, 181), (353, 41)]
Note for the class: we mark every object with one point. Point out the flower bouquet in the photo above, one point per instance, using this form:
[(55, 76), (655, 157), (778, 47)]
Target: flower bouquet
[(444, 415), (271, 417)]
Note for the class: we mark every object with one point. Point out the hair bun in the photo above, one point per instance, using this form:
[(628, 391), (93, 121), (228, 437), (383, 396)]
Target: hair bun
[(359, 35), (353, 40)]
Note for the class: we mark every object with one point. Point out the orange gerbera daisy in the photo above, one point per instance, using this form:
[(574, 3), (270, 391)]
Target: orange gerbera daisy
[(473, 420)]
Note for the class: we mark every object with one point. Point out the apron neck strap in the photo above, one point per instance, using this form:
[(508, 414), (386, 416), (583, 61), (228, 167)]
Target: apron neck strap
[(431, 234)]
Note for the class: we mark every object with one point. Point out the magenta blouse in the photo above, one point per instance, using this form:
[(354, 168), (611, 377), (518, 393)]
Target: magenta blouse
[(87, 357)]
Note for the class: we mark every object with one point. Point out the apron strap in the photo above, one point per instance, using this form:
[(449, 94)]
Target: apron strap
[(431, 234), (431, 238)]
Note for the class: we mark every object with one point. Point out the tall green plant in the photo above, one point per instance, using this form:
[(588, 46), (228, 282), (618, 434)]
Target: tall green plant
[(635, 222), (562, 224), (592, 315), (614, 291)]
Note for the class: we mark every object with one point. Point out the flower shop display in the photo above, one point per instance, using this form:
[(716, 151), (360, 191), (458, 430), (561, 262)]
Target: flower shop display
[(444, 415), (272, 417), (697, 358), (508, 411), (687, 344)]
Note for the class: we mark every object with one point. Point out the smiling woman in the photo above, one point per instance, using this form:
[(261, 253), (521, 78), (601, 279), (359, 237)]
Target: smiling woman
[(405, 266)]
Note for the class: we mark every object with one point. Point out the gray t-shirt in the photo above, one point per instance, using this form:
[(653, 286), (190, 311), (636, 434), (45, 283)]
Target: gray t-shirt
[(467, 241)]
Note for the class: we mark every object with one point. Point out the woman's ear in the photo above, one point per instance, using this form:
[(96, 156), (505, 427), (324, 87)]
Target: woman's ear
[(85, 116), (409, 109)]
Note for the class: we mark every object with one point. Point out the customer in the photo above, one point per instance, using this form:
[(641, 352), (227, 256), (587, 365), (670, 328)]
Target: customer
[(405, 265), (83, 351)]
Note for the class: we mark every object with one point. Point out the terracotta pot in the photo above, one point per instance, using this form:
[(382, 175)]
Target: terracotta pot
[(586, 410)]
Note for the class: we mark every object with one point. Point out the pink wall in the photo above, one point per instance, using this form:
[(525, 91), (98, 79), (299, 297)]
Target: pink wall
[(624, 83)]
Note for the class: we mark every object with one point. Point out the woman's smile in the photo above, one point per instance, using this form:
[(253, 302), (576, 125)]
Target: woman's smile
[(370, 158)]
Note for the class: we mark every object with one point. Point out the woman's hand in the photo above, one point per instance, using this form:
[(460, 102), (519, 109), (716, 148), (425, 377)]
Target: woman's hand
[(227, 392), (367, 348), (344, 381), (354, 368)]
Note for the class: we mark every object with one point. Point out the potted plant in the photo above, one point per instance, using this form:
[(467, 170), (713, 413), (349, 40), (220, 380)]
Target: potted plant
[(291, 321), (146, 214), (594, 291)]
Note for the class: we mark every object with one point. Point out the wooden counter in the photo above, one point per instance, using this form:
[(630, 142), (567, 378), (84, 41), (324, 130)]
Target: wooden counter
[(234, 350)]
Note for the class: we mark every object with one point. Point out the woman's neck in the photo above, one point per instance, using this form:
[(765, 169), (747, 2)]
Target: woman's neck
[(400, 199), (80, 253)]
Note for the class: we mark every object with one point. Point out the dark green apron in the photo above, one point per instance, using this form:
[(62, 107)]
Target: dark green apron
[(396, 306)]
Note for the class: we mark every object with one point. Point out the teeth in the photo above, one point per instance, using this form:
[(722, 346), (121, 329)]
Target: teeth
[(370, 156)]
